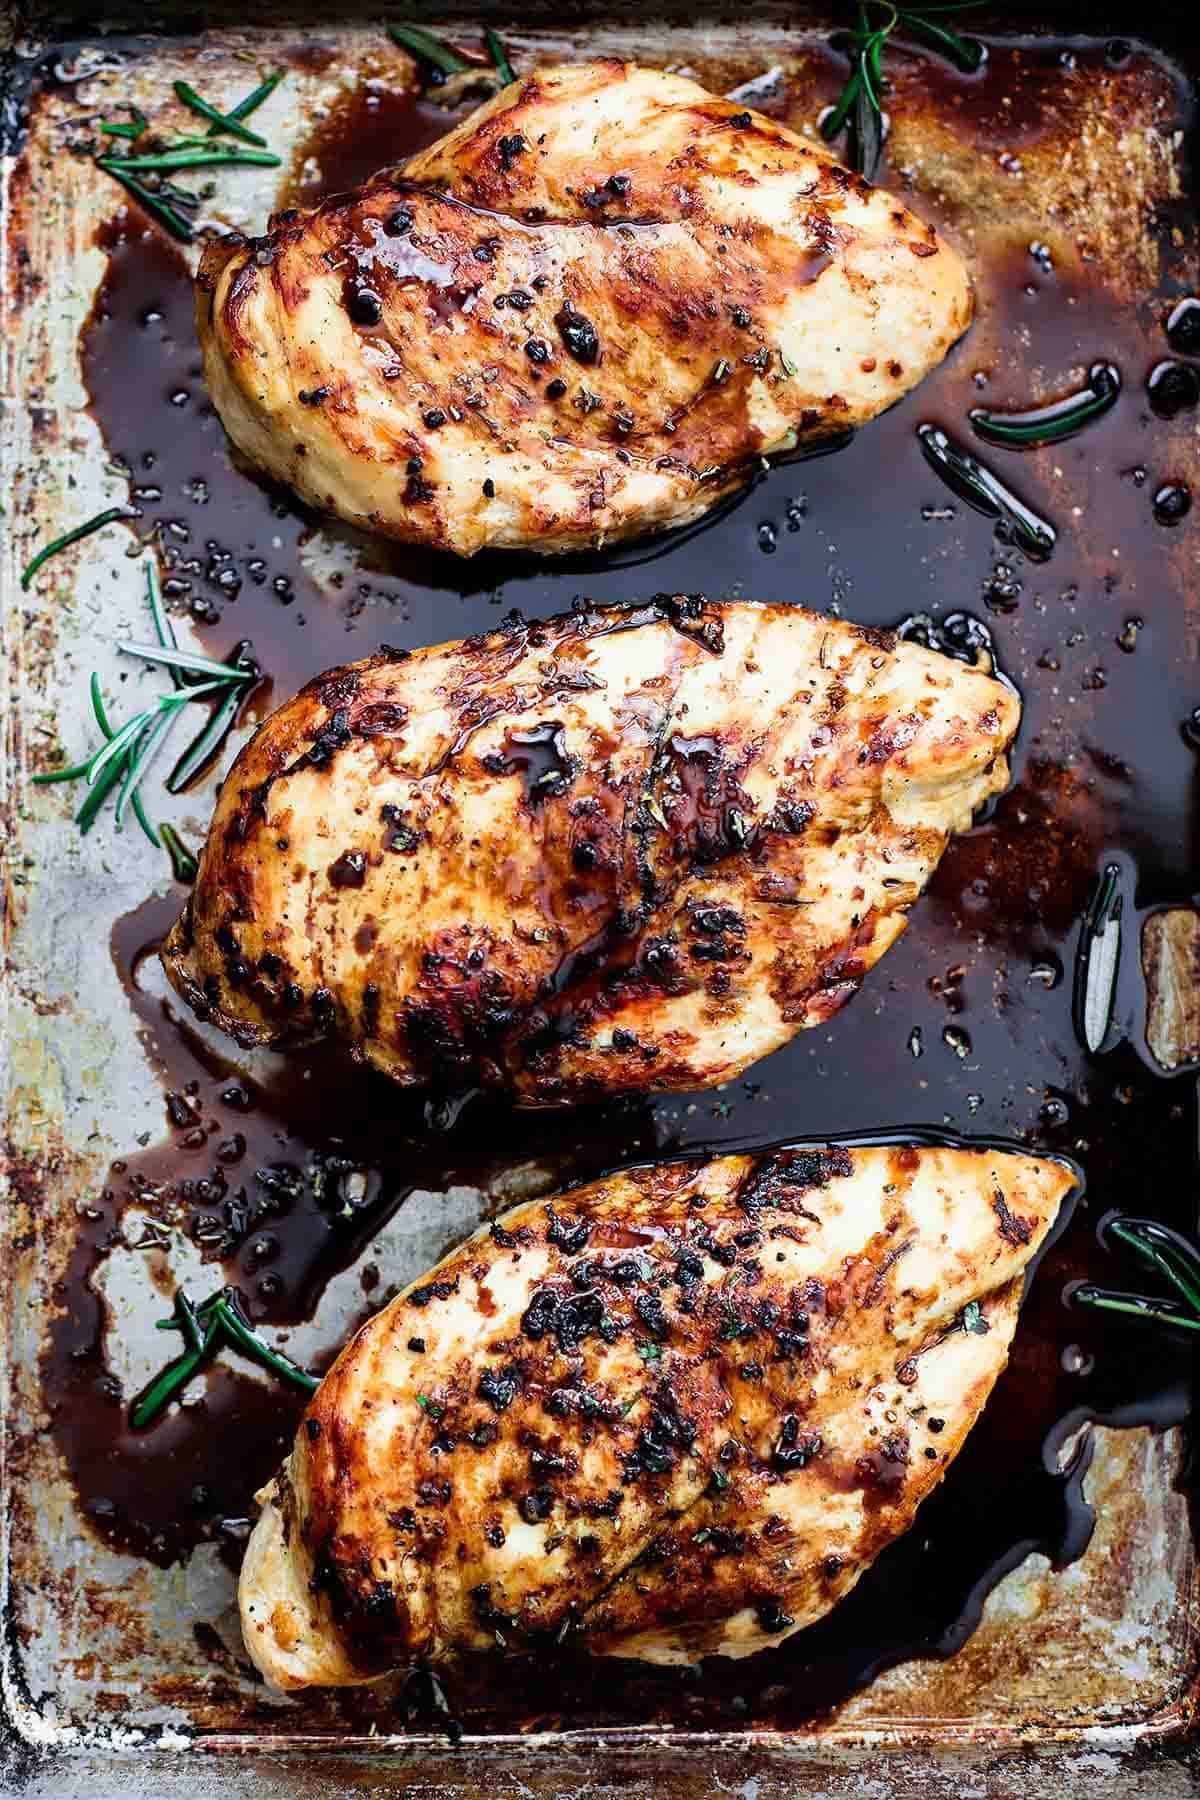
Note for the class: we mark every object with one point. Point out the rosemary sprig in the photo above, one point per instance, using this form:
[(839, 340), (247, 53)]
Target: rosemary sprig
[(220, 123), (973, 482), (1168, 1254), (217, 1323), (1097, 961), (443, 61), (127, 752), (162, 199), (859, 107), (107, 517), (1055, 423)]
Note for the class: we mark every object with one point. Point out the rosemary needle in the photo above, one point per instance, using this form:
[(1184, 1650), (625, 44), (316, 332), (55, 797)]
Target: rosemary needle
[(1054, 423), (133, 128), (252, 101), (217, 1322), (163, 200), (219, 122), (184, 866), (107, 517), (859, 107), (429, 48), (205, 745), (975, 483), (1166, 1253), (186, 659), (159, 209), (504, 68), (187, 156)]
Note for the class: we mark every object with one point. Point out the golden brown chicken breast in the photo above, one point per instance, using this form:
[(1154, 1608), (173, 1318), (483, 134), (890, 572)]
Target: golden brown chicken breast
[(620, 849), (585, 314), (677, 1412)]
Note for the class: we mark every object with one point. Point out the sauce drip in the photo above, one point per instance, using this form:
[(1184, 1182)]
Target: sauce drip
[(966, 1025)]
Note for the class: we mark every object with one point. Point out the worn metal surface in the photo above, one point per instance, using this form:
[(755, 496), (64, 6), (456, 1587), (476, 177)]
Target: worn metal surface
[(1071, 1679), (1171, 964)]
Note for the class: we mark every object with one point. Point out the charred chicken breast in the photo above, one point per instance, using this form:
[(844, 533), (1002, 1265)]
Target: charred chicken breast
[(587, 313), (620, 849), (676, 1413)]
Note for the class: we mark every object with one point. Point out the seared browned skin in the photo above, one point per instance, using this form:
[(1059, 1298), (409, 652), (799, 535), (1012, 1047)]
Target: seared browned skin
[(587, 313), (677, 1412), (614, 850)]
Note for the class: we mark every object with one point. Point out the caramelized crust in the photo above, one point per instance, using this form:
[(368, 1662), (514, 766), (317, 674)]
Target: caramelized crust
[(677, 1412), (621, 849), (587, 313)]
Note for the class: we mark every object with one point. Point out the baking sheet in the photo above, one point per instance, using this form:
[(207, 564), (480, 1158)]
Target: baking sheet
[(102, 1659)]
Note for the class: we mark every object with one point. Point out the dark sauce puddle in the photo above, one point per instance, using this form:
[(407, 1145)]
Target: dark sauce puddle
[(966, 1025)]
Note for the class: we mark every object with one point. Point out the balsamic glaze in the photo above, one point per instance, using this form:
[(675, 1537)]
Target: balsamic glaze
[(966, 1025)]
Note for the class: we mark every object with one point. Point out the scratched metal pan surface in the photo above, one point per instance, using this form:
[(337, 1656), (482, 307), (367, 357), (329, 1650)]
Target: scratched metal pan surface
[(123, 1673)]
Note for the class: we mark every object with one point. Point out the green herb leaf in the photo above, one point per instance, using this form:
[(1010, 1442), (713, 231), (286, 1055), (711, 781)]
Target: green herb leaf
[(859, 107), (96, 523), (1138, 1306), (650, 1353), (973, 482), (97, 794), (184, 866), (973, 1319), (238, 1331), (206, 744), (188, 156), (252, 102), (127, 753), (174, 222), (150, 741), (1055, 423), (966, 53), (191, 660), (219, 121), (496, 51), (1166, 1253), (218, 1322), (428, 48), (1163, 1250), (133, 129)]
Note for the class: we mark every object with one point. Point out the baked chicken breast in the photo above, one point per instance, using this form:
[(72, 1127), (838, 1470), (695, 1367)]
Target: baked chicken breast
[(587, 313), (676, 1413), (619, 849)]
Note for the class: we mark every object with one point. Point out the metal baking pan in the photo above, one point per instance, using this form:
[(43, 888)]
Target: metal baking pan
[(1057, 1561)]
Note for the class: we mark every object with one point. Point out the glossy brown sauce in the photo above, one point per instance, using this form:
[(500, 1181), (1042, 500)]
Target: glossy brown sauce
[(965, 1026)]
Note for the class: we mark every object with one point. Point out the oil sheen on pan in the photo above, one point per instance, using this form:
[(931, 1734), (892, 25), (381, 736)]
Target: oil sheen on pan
[(968, 1027)]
